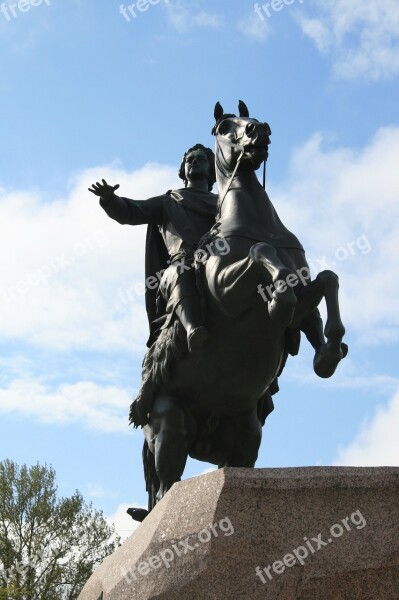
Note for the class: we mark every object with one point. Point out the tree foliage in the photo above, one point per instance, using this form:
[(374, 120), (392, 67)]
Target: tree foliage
[(49, 546)]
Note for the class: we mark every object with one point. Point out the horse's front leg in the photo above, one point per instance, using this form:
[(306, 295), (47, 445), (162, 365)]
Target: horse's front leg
[(235, 285), (328, 354)]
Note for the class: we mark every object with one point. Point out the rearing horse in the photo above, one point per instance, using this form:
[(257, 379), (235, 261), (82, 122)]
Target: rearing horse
[(209, 407)]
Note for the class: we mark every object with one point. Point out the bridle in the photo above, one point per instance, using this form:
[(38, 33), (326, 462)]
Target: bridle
[(242, 151)]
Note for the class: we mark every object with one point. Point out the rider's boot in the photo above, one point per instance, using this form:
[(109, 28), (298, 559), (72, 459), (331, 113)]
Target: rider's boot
[(189, 313)]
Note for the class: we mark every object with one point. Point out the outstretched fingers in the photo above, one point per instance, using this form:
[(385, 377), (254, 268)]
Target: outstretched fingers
[(95, 190), (101, 189)]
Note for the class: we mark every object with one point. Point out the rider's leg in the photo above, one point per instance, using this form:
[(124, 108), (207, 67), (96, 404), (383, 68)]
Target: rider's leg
[(179, 290), (167, 436), (189, 312)]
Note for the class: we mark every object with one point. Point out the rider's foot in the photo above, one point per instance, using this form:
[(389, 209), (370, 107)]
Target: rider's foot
[(196, 338), (138, 514), (327, 359)]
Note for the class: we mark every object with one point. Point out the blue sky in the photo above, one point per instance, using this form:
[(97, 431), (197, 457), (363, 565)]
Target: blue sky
[(87, 94)]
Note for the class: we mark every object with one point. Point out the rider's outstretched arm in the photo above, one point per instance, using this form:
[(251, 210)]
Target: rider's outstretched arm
[(133, 212), (126, 211)]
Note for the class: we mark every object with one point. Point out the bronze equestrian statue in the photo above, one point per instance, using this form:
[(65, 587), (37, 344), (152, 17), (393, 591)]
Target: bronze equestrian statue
[(211, 403)]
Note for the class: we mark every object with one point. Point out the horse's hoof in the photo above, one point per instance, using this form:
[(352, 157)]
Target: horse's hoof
[(344, 349), (196, 338), (326, 360), (138, 514)]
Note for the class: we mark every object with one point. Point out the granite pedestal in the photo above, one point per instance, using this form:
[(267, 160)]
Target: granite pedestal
[(317, 533)]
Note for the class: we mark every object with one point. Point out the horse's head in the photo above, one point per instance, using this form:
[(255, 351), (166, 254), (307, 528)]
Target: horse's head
[(247, 138)]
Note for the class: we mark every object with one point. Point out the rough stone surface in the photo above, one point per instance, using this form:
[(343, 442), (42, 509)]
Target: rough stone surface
[(271, 511)]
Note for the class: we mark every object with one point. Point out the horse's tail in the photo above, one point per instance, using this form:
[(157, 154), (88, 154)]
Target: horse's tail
[(141, 406), (150, 476), (171, 345)]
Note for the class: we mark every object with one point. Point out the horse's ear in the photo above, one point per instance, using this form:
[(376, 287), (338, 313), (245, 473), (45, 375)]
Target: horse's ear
[(242, 107), (218, 111)]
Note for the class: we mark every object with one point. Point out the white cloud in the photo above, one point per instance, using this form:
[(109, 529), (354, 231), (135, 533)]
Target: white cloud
[(362, 37), (254, 28), (97, 490), (124, 524), (184, 19), (349, 376), (205, 19), (343, 205), (100, 408), (317, 31), (66, 261), (377, 443)]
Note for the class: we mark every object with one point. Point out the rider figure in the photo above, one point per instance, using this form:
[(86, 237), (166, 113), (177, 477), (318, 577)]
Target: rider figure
[(177, 220)]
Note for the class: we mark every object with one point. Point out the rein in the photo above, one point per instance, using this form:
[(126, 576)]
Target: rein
[(232, 176)]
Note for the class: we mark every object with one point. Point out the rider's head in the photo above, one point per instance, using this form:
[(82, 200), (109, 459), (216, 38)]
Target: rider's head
[(198, 164)]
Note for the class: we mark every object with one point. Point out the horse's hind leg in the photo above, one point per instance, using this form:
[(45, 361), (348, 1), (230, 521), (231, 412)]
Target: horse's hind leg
[(239, 439), (166, 435)]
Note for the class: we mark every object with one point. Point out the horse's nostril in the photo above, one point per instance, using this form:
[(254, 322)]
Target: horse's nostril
[(250, 128)]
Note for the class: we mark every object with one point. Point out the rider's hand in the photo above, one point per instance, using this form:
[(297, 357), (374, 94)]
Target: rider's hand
[(103, 190)]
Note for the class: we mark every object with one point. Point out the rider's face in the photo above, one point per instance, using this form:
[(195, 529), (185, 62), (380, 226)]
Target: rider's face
[(196, 166)]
